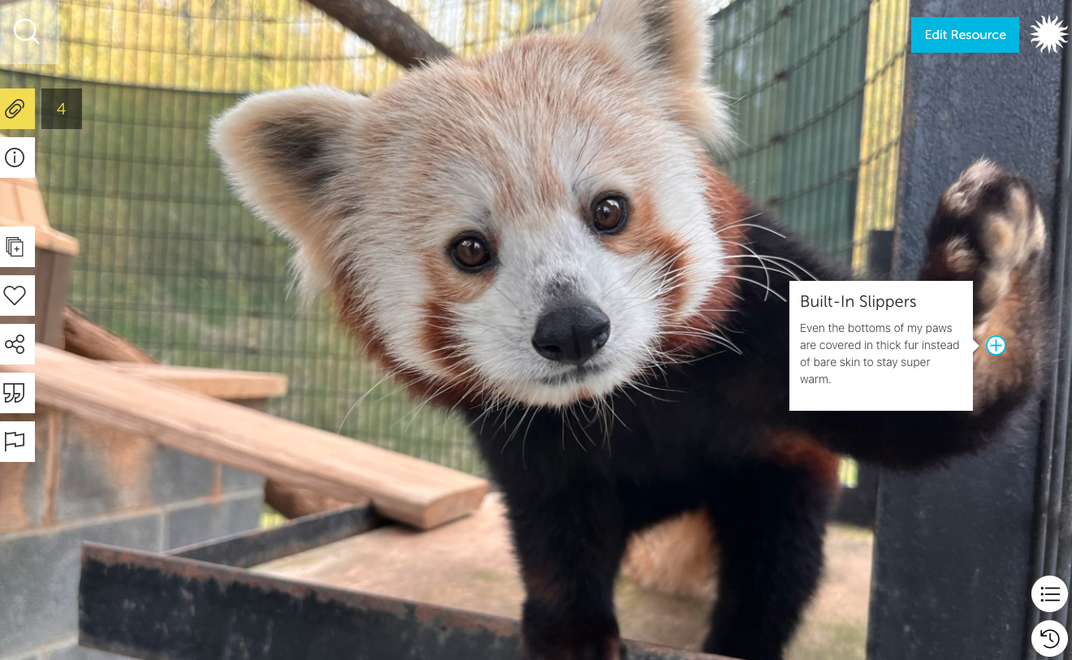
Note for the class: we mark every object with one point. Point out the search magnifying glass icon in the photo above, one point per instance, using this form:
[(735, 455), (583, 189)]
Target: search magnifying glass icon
[(33, 35)]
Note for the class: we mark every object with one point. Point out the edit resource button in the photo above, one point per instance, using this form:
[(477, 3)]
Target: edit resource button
[(965, 34)]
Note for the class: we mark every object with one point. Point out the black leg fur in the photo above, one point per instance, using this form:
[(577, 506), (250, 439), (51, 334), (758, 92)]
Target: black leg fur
[(770, 558), (569, 607)]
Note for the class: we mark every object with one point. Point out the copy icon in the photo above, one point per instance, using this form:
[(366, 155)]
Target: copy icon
[(14, 246)]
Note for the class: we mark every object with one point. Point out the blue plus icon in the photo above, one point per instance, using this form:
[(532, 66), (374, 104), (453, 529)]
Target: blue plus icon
[(995, 345)]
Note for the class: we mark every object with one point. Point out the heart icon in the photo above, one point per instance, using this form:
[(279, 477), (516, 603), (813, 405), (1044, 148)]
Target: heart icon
[(14, 293)]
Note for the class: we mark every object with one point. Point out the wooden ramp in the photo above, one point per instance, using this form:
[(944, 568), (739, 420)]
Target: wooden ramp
[(402, 488)]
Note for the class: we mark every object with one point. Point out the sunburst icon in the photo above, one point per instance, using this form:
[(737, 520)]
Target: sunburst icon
[(1049, 34)]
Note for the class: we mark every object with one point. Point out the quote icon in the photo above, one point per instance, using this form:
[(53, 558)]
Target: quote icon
[(17, 394), (14, 392), (1049, 593)]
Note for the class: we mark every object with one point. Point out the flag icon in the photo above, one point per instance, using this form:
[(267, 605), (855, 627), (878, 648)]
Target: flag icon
[(14, 439)]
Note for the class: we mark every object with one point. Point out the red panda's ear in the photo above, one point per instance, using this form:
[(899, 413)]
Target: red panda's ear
[(667, 40), (668, 36), (290, 156)]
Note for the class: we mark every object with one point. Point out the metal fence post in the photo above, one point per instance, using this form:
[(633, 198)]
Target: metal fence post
[(954, 547)]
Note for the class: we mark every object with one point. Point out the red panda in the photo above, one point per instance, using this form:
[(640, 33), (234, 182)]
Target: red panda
[(538, 238)]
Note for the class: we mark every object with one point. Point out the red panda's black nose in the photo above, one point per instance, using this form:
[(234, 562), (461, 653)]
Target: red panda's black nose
[(572, 332)]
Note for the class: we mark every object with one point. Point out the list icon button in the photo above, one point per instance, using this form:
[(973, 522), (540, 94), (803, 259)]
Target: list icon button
[(1049, 593)]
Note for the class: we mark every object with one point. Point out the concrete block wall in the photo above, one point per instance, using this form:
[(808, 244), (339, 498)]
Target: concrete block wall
[(92, 482)]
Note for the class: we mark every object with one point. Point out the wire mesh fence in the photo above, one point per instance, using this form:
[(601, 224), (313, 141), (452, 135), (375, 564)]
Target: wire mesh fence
[(172, 262)]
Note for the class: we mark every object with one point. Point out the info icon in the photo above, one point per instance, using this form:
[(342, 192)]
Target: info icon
[(1050, 593), (1049, 639)]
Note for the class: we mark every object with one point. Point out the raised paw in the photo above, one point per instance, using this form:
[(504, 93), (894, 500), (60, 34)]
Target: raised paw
[(989, 229)]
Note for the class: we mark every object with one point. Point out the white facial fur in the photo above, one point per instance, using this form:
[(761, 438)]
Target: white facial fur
[(515, 146)]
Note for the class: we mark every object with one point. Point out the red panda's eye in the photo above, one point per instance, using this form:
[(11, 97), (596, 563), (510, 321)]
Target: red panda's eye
[(470, 252), (609, 213)]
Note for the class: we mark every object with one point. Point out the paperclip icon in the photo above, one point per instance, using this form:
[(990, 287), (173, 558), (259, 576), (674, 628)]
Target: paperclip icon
[(14, 109)]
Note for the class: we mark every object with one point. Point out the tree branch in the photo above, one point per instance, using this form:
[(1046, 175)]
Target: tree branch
[(392, 31)]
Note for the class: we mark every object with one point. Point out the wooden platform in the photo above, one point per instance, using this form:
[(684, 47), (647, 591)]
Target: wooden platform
[(21, 204), (218, 383), (469, 564), (401, 487)]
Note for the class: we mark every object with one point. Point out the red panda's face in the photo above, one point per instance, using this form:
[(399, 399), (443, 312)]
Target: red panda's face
[(529, 226)]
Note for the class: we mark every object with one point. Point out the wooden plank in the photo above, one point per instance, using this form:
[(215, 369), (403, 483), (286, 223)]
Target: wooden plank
[(53, 283), (217, 383), (401, 487), (47, 238), (297, 502), (21, 204), (83, 337)]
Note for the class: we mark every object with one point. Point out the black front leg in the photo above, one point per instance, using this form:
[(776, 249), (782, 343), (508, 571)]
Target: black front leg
[(569, 546), (771, 519), (569, 529)]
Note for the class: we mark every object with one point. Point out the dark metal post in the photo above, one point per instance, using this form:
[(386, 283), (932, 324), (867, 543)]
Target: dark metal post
[(955, 547), (1053, 525)]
